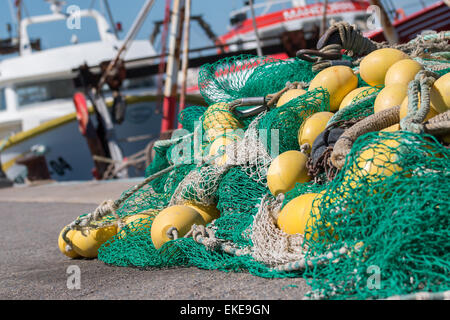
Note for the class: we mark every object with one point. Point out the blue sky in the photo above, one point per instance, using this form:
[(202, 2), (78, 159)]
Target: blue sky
[(215, 12)]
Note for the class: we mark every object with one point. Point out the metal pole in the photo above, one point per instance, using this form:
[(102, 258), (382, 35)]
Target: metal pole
[(255, 28), (173, 63), (388, 29), (185, 61), (323, 25), (130, 36), (19, 22), (162, 62)]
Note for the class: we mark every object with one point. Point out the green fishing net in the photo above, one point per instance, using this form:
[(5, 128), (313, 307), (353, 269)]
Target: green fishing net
[(390, 207), (249, 76), (361, 106), (281, 124), (392, 219)]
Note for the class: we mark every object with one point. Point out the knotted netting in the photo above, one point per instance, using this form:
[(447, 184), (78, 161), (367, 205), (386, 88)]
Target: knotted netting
[(379, 227), (394, 224)]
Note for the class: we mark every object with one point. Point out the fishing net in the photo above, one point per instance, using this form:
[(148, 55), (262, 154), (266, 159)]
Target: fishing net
[(393, 219), (381, 224), (249, 76)]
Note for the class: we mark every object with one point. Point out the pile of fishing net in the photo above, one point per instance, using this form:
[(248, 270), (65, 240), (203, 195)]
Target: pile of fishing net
[(376, 198)]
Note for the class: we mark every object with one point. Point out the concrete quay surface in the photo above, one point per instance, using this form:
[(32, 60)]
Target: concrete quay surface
[(32, 267)]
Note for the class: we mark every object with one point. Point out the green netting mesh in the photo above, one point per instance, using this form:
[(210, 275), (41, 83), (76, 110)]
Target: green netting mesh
[(361, 106), (389, 206), (249, 76), (189, 116), (285, 121)]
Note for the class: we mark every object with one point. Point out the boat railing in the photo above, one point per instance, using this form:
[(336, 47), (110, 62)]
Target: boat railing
[(103, 27)]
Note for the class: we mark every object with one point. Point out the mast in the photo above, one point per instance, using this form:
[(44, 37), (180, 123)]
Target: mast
[(137, 24), (173, 63), (323, 25), (18, 4), (255, 28), (162, 62), (185, 61), (388, 29)]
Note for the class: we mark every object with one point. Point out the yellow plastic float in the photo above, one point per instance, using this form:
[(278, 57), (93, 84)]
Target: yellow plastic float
[(299, 215), (375, 65), (87, 245), (440, 94), (390, 96), (289, 95), (312, 127), (219, 147), (404, 110), (180, 217), (338, 80), (402, 72), (286, 170), (349, 97), (208, 213), (218, 119), (62, 244)]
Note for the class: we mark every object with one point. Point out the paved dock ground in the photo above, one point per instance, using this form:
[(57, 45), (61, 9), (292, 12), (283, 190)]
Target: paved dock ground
[(32, 267)]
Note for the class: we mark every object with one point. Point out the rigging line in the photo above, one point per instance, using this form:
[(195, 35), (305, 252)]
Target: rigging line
[(111, 19), (11, 10), (255, 27)]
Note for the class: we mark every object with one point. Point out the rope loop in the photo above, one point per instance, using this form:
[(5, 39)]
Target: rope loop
[(422, 83)]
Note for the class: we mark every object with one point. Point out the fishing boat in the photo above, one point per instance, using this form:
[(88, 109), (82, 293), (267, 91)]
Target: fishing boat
[(37, 87), (296, 26), (290, 25)]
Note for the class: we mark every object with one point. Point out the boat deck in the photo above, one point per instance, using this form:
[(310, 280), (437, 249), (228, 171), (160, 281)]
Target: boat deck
[(31, 266)]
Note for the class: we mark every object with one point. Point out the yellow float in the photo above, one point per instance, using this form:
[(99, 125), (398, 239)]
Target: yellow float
[(286, 170), (393, 128), (62, 244), (208, 213), (377, 162), (299, 215), (87, 244), (219, 148), (440, 94), (374, 66), (390, 96), (289, 95), (130, 222), (404, 110), (312, 127), (218, 119), (402, 72), (180, 217), (349, 97), (338, 80)]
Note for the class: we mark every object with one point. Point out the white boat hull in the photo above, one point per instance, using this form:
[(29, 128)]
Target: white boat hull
[(68, 157)]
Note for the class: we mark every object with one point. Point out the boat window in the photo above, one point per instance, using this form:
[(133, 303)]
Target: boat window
[(139, 83), (2, 99), (238, 18), (41, 91), (65, 36)]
